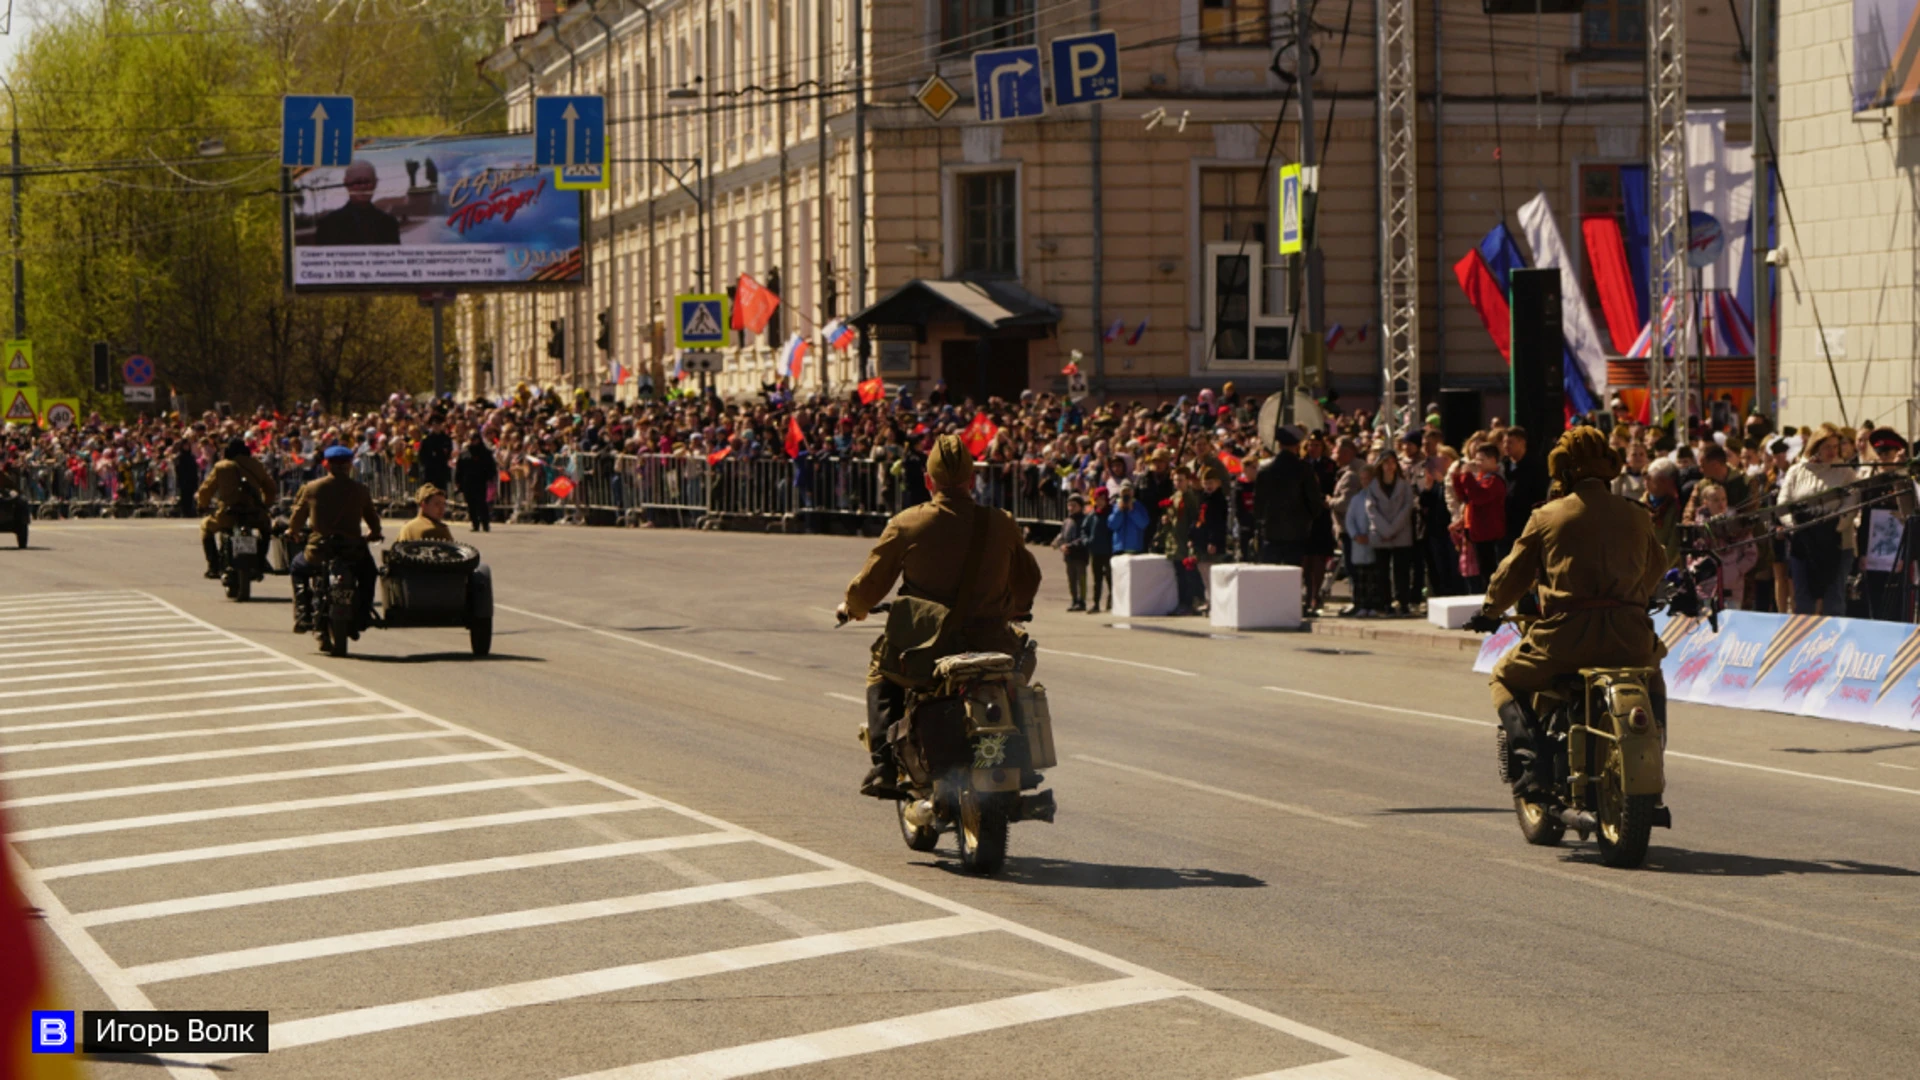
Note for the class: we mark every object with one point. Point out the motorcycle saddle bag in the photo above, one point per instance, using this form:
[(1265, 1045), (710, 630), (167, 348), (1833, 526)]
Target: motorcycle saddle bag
[(931, 740), (972, 665)]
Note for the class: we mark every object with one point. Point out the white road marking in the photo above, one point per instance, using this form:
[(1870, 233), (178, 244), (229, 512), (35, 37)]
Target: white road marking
[(9, 695), (405, 1014), (48, 650), (198, 733), (682, 654), (959, 1021), (1225, 793), (367, 941), (141, 625), (300, 890), (185, 714), (216, 755), (1670, 753), (1891, 765), (848, 698), (1346, 1068), (75, 675), (132, 659), (92, 794), (37, 600), (288, 806), (104, 703), (92, 616), (1050, 651), (328, 839)]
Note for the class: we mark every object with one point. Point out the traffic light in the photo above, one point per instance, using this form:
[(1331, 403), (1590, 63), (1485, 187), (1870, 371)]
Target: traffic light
[(605, 339), (102, 369), (557, 339)]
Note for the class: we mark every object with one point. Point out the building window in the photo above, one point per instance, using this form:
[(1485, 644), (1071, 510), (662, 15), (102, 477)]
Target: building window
[(989, 224), (1227, 23), (968, 26), (1613, 29), (1231, 206)]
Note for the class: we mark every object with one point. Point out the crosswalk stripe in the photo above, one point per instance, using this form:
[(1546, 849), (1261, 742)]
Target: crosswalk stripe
[(185, 714), (198, 733), (236, 676), (143, 624), (228, 650), (300, 890), (48, 649), (77, 675), (348, 836), (895, 1033), (35, 599), (342, 944), (104, 703), (216, 755), (285, 1036), (93, 794), (92, 615), (287, 806)]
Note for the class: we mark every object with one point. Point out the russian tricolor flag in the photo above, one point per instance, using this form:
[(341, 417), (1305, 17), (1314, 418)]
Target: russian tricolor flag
[(838, 333), (792, 356)]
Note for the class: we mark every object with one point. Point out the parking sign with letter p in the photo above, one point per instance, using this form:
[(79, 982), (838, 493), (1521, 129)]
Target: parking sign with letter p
[(52, 1031), (1086, 67)]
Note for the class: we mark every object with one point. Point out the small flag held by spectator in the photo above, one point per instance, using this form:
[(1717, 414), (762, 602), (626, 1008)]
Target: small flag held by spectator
[(979, 434), (872, 390), (793, 356), (560, 488), (1138, 333), (719, 455), (1235, 467), (796, 439), (839, 334)]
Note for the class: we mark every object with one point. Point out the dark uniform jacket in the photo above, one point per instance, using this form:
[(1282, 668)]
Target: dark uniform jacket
[(1287, 499), (476, 469), (436, 455), (332, 506)]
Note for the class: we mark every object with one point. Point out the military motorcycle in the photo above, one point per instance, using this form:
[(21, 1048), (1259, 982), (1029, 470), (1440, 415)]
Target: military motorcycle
[(333, 580), (243, 560), (15, 514), (420, 583), (969, 746)]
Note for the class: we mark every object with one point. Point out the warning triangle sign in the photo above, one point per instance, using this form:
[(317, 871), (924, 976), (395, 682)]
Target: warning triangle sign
[(20, 407), (17, 361), (703, 322)]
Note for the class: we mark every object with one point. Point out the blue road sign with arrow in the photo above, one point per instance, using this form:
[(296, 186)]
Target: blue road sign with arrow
[(1086, 67), (1007, 83), (315, 130), (570, 131)]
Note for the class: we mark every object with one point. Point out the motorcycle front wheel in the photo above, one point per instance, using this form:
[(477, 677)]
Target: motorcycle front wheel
[(1536, 824), (981, 828), (918, 837), (1626, 822), (339, 629)]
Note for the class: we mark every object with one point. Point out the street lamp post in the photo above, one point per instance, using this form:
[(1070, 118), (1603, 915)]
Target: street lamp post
[(13, 230)]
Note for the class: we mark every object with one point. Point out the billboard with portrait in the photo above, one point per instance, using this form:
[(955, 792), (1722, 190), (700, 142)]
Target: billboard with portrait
[(1886, 54), (443, 214)]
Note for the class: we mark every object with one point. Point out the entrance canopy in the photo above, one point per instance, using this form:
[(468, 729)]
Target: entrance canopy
[(986, 308)]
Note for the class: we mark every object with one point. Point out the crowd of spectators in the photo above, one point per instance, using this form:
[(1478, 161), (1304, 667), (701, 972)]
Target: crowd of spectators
[(1400, 515)]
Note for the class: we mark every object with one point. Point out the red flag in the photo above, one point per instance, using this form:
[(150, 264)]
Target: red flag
[(1612, 280), (1487, 298), (872, 390), (1235, 467), (979, 434), (719, 455), (561, 488), (753, 305), (796, 439), (506, 477)]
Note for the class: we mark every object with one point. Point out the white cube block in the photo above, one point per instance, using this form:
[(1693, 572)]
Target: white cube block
[(1252, 596), (1144, 585), (1452, 612)]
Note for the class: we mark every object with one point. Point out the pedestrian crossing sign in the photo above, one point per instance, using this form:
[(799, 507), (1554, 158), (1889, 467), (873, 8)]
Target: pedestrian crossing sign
[(1291, 233), (18, 363), (700, 320), (23, 405)]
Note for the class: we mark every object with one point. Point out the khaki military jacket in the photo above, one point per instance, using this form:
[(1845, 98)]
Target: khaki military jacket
[(927, 546), (333, 506), (425, 528), (237, 484)]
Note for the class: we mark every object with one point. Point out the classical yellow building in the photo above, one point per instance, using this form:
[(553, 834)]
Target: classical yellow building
[(970, 246)]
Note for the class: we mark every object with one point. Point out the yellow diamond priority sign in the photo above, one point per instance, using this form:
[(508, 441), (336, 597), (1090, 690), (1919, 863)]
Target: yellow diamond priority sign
[(22, 405), (936, 96), (16, 362)]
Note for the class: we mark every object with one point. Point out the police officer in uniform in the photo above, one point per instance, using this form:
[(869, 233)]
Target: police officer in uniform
[(927, 545), (1596, 562), (239, 490), (333, 506)]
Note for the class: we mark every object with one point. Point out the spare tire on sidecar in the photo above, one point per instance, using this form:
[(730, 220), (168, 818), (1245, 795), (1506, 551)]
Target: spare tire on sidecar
[(438, 583)]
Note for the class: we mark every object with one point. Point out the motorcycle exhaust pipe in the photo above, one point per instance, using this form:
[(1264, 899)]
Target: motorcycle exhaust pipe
[(919, 813), (1037, 807), (1580, 821)]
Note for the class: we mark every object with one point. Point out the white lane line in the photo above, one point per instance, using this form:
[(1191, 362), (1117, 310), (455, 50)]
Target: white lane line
[(682, 654), (9, 695), (89, 616), (217, 755), (348, 836), (34, 599), (198, 733), (131, 659), (1225, 793), (893, 1034), (143, 625), (186, 714), (93, 794), (93, 960), (405, 1014), (50, 650), (1346, 1068), (847, 697), (1670, 753), (367, 941), (300, 890), (111, 673), (1050, 651), (288, 806), (104, 703), (1891, 765)]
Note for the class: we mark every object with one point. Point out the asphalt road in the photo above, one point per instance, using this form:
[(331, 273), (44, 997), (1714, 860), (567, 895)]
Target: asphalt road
[(627, 845)]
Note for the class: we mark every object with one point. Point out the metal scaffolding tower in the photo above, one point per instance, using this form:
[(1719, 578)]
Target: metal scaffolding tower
[(1399, 206), (1669, 305)]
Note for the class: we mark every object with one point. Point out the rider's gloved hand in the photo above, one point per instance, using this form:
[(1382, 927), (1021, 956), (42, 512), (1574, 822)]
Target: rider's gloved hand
[(1483, 623)]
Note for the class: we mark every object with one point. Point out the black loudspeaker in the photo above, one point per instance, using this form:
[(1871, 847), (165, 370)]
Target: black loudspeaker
[(1538, 395), (1460, 415)]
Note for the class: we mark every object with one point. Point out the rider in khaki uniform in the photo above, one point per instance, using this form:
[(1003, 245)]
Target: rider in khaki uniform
[(239, 490), (1596, 562), (927, 545), (332, 506)]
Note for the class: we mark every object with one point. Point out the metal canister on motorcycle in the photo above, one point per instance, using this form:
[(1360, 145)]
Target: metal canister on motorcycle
[(1036, 722)]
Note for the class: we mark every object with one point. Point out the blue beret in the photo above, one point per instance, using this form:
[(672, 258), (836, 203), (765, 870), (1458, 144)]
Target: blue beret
[(336, 453)]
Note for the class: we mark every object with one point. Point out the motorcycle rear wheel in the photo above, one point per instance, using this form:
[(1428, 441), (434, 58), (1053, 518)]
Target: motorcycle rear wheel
[(1626, 824), (981, 829), (1536, 824), (338, 630), (919, 838), (242, 587)]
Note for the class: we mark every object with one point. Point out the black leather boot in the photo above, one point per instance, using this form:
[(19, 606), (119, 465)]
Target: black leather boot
[(883, 780), (302, 607), (211, 548)]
